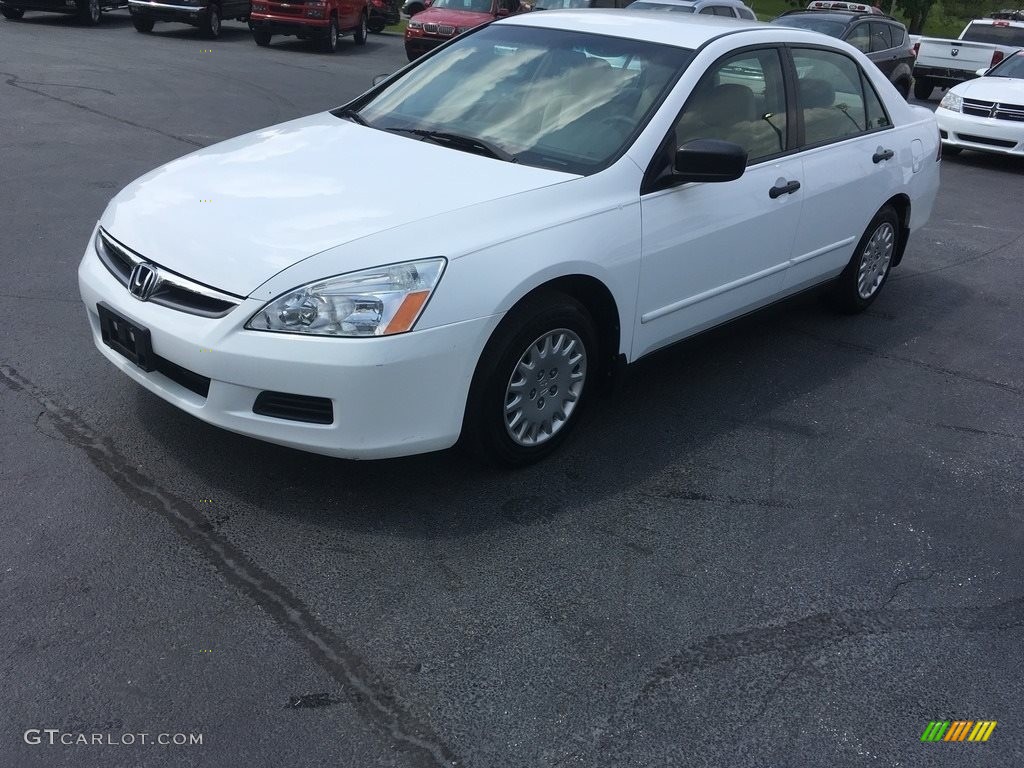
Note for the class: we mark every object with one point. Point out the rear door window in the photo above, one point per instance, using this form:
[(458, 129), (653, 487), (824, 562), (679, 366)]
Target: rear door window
[(831, 90), (881, 37)]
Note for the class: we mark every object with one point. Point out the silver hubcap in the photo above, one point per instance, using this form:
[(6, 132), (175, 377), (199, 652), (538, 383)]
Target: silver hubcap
[(874, 261), (334, 35), (214, 20), (363, 30), (94, 10), (545, 387)]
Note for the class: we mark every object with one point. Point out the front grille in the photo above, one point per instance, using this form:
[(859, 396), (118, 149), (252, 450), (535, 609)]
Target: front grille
[(445, 30), (282, 405), (188, 379), (173, 290), (431, 28), (998, 110), (986, 140)]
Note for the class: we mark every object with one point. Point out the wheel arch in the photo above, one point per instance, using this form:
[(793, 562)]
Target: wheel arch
[(901, 203)]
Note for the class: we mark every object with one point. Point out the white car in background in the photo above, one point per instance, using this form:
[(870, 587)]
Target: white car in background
[(986, 114), (730, 9), (591, 186)]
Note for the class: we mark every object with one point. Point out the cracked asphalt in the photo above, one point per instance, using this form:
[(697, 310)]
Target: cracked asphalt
[(790, 542)]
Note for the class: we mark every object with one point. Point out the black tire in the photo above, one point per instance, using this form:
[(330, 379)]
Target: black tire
[(413, 8), (376, 26), (903, 86), (847, 293), (360, 33), (923, 88), (142, 24), (261, 36), (484, 431), (329, 42), (89, 12), (209, 24), (11, 13)]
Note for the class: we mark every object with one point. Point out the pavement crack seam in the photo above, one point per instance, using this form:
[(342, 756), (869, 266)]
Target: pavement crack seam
[(15, 82), (372, 700)]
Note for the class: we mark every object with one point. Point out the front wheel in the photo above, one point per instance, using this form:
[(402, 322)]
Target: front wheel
[(210, 24), (142, 24), (360, 34), (531, 381), (329, 44), (89, 12), (261, 36), (923, 88), (11, 13), (862, 280)]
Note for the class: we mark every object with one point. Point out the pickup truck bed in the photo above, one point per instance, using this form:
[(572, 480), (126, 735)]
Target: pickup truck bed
[(982, 44)]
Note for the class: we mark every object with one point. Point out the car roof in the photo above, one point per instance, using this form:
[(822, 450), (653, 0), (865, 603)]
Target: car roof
[(842, 16), (679, 29), (689, 3)]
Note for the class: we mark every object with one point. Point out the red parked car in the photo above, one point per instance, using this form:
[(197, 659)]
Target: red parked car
[(323, 20), (444, 19)]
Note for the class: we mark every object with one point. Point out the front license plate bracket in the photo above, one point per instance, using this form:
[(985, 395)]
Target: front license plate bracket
[(126, 338)]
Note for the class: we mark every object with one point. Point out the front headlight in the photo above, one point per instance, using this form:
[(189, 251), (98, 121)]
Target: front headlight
[(415, 25), (952, 102), (372, 302)]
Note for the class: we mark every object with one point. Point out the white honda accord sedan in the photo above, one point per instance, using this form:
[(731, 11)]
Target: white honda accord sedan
[(587, 187)]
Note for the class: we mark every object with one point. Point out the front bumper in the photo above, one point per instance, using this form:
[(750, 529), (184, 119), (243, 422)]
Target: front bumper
[(417, 46), (985, 134), (187, 14), (391, 396), (299, 26)]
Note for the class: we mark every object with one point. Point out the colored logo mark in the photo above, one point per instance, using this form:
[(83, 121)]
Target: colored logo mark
[(958, 730)]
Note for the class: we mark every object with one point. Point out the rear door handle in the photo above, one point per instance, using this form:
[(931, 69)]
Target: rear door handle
[(783, 188), (882, 154)]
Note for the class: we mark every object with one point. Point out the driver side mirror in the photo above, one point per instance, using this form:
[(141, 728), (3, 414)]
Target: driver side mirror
[(982, 72), (709, 160)]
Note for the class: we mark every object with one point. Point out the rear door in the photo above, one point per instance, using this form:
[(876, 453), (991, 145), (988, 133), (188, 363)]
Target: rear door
[(882, 51), (850, 161)]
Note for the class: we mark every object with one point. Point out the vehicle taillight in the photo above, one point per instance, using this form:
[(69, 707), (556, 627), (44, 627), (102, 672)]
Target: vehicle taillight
[(997, 56), (917, 49)]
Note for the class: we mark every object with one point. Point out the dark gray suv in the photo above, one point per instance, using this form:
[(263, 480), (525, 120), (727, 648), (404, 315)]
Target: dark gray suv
[(882, 39)]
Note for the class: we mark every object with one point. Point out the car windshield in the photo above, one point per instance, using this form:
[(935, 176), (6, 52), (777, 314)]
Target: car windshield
[(829, 27), (1011, 67), (476, 6), (645, 6), (994, 33), (546, 97)]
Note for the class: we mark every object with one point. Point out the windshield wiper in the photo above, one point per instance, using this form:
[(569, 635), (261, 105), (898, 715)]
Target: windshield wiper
[(354, 116), (458, 141)]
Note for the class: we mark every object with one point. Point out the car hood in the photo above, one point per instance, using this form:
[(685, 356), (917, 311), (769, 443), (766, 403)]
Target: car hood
[(453, 17), (1006, 89), (235, 214)]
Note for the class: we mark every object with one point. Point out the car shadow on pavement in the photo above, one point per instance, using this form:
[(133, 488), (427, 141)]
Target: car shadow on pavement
[(672, 403), (987, 161)]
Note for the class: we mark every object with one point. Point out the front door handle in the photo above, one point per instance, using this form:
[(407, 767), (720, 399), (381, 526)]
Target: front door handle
[(882, 154), (783, 188)]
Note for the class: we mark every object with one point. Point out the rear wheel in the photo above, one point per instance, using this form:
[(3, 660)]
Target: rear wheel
[(89, 12), (261, 36), (210, 24), (531, 381), (329, 44), (361, 30), (923, 88), (862, 280), (11, 13), (903, 86), (376, 26), (142, 24)]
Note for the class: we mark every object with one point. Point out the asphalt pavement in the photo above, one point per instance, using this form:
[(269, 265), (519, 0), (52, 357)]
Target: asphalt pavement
[(793, 541)]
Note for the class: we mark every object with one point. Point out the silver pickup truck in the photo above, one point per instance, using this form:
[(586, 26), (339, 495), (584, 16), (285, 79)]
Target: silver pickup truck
[(982, 44)]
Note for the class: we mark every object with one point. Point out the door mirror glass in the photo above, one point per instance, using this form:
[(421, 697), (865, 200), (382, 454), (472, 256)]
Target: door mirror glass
[(709, 160)]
